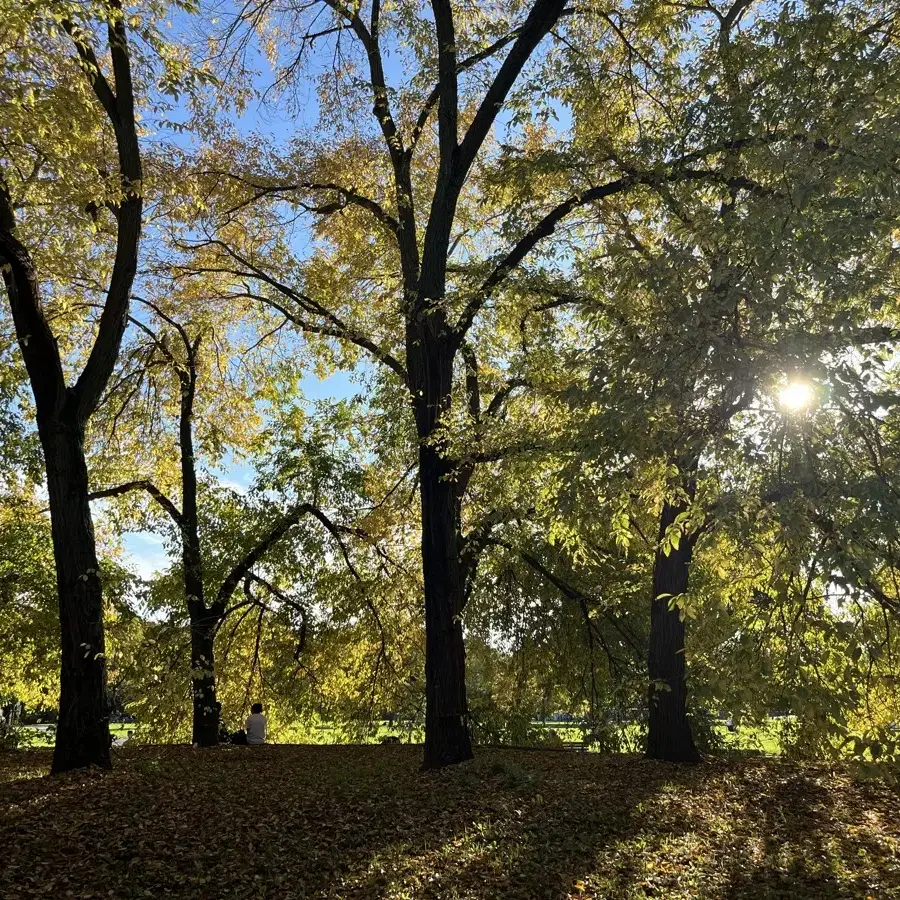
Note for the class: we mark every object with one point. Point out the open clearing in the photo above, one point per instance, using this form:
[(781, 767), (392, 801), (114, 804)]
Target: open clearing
[(362, 822)]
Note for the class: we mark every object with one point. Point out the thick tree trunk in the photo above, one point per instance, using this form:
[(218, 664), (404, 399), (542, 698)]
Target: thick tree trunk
[(82, 734), (447, 738), (430, 362), (669, 737), (203, 620), (203, 682)]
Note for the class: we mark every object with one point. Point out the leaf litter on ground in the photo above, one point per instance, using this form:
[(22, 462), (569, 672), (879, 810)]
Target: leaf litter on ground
[(363, 822)]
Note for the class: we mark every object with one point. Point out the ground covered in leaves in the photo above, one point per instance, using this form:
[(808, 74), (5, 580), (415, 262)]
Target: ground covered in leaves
[(362, 822)]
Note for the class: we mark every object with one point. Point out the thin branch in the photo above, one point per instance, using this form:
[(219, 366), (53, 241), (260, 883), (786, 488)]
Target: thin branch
[(143, 485), (338, 328), (541, 18), (255, 553), (567, 590)]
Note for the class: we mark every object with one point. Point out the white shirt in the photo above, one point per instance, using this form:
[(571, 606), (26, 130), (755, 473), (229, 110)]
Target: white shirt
[(256, 728)]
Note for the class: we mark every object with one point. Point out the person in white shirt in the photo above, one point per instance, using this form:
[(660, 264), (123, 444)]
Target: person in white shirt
[(256, 725)]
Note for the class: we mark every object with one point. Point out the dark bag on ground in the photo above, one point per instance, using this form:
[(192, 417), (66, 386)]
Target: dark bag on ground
[(239, 737)]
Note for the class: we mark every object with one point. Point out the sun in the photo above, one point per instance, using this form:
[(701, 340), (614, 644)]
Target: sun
[(796, 395)]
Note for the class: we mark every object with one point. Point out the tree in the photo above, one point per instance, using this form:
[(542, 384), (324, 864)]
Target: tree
[(726, 280), (62, 410), (171, 345), (431, 324)]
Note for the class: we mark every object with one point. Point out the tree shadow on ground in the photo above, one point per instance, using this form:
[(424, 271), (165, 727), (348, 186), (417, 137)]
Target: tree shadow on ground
[(533, 824), (363, 822), (315, 822), (818, 833)]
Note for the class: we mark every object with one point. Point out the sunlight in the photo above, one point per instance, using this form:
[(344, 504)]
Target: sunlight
[(796, 395)]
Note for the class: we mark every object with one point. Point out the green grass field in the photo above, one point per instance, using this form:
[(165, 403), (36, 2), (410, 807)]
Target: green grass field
[(764, 739), (40, 737)]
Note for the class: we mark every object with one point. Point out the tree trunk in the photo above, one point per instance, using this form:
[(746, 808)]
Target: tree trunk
[(82, 734), (203, 682), (669, 736), (203, 620), (430, 361), (205, 730), (447, 738)]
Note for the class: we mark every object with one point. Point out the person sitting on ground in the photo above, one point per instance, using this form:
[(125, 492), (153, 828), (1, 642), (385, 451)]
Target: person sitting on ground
[(256, 725)]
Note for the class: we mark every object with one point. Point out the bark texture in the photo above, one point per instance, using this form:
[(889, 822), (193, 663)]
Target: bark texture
[(669, 736), (447, 733), (82, 736)]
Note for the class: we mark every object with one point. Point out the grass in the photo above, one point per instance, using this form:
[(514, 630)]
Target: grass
[(327, 733), (362, 822), (42, 737), (762, 739)]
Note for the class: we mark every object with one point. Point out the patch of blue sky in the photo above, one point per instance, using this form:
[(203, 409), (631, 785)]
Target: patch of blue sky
[(145, 554)]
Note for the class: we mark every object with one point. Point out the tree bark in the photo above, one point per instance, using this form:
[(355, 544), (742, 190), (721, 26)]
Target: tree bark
[(205, 721), (203, 680), (669, 736), (430, 361), (82, 736), (447, 737), (204, 622)]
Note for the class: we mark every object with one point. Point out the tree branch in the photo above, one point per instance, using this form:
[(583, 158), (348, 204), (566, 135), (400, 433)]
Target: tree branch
[(287, 601), (144, 485), (102, 359), (381, 106), (350, 195), (567, 590), (502, 395), (33, 332), (541, 18), (90, 65), (338, 328), (473, 389), (448, 100), (435, 95), (255, 554), (345, 333)]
